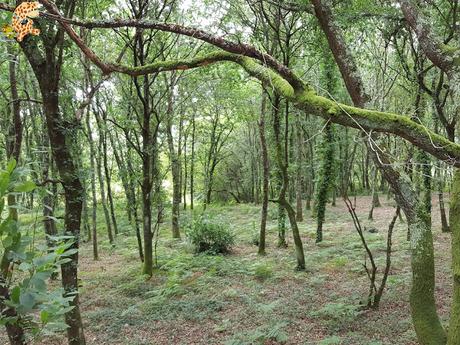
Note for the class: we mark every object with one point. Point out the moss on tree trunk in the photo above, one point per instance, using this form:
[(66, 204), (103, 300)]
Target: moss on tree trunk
[(454, 215)]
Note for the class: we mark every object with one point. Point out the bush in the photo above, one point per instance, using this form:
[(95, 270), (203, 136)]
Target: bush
[(210, 235)]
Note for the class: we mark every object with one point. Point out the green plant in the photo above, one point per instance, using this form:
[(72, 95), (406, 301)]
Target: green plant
[(210, 235), (262, 272), (36, 308), (261, 335), (337, 314)]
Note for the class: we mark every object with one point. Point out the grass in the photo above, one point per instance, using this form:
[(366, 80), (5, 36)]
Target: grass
[(243, 298)]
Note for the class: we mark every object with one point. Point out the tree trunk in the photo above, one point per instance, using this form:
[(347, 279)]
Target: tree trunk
[(73, 193), (282, 163), (175, 170), (192, 163), (299, 169), (325, 176), (454, 217), (15, 332), (105, 208), (93, 189), (266, 175)]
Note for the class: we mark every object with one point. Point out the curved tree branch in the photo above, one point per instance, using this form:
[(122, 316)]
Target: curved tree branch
[(277, 76)]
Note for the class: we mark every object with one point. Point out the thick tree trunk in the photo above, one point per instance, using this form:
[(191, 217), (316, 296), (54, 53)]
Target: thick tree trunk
[(454, 215), (73, 194)]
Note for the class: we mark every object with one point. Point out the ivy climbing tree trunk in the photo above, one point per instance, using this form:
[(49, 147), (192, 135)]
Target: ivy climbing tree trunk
[(299, 169), (454, 215), (282, 197), (266, 174), (325, 175)]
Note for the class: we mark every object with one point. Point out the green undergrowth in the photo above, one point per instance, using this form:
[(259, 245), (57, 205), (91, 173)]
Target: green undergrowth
[(243, 298)]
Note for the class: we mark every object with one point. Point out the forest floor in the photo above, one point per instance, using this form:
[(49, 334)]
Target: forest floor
[(242, 298)]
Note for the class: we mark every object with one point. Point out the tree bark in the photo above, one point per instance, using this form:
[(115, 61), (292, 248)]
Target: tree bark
[(454, 215), (93, 189), (266, 175), (282, 200), (175, 169), (299, 169)]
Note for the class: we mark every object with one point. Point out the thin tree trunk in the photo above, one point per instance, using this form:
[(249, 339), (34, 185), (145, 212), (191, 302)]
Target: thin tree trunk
[(192, 164), (283, 168), (175, 170), (266, 175), (15, 332), (99, 167), (299, 169), (93, 189)]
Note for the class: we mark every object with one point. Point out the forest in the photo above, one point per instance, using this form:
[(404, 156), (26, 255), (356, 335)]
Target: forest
[(229, 172)]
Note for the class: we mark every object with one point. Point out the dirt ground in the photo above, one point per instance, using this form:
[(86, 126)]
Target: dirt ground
[(242, 298)]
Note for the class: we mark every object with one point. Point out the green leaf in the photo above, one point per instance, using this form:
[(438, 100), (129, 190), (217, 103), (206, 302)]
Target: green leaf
[(7, 242), (44, 260), (15, 293), (44, 316), (27, 301), (24, 266), (25, 187), (11, 165), (4, 181)]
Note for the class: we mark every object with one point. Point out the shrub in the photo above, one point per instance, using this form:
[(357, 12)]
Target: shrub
[(210, 235)]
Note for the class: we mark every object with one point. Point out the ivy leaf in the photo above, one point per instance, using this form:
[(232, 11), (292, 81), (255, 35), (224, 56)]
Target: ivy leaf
[(44, 260), (25, 187), (24, 266), (11, 166), (4, 181), (27, 301), (44, 316), (7, 242), (15, 293)]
